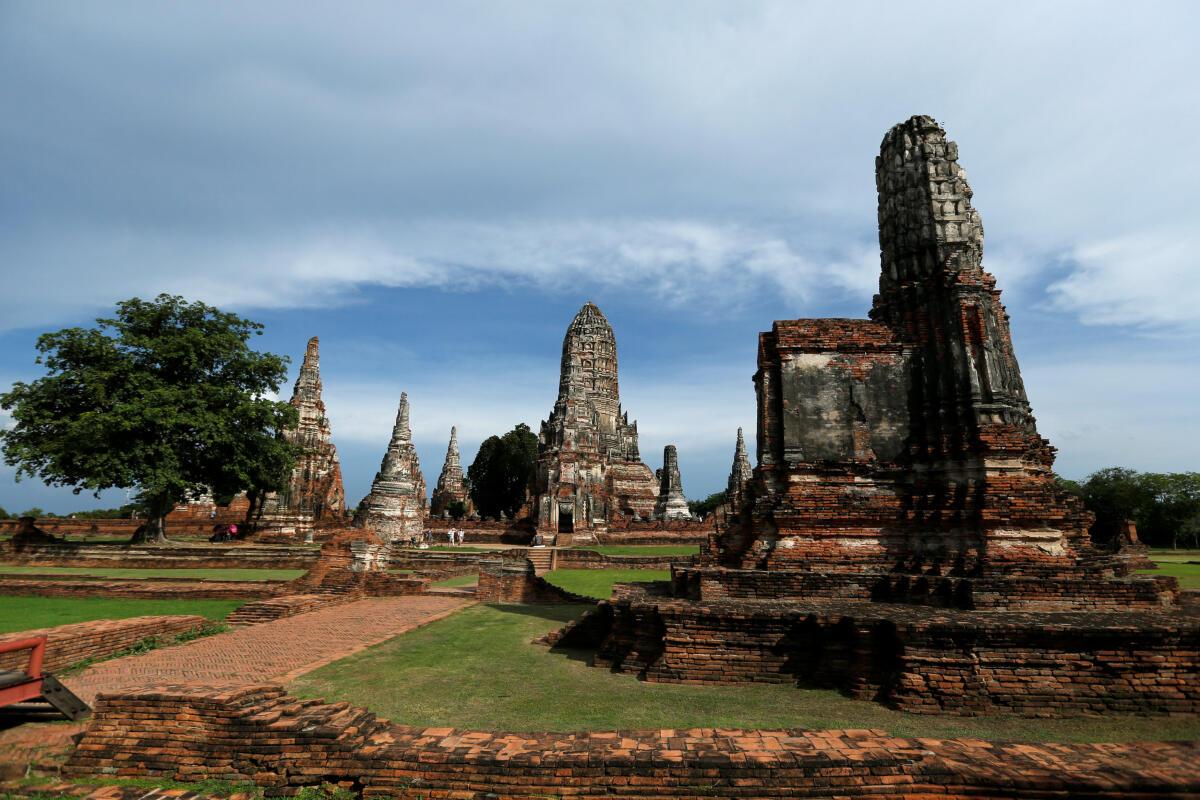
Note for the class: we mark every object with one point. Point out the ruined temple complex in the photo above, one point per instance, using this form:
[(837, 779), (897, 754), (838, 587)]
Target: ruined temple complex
[(589, 469), (451, 488), (314, 494), (396, 505)]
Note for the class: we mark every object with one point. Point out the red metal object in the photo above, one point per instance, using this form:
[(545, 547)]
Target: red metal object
[(25, 686)]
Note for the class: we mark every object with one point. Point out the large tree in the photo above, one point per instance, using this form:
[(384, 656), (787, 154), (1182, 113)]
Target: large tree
[(167, 398), (501, 471)]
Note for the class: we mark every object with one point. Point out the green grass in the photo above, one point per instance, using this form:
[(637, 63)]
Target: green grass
[(234, 574), (1182, 557), (1188, 575), (27, 613), (643, 549), (598, 583), (460, 580), (479, 669)]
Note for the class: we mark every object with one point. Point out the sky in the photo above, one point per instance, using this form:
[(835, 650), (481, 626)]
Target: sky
[(435, 189)]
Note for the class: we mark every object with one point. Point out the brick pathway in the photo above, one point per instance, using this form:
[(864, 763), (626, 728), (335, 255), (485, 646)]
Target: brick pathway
[(273, 651)]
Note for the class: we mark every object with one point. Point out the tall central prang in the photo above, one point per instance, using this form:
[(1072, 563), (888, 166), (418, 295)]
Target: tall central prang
[(589, 467)]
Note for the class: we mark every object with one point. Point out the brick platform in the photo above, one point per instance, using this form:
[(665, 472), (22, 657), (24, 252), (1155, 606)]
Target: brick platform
[(206, 555), (70, 644), (143, 588), (260, 734), (913, 658)]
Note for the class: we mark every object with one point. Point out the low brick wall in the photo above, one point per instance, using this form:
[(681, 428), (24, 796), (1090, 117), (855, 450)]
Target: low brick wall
[(435, 565), (70, 644), (914, 658), (191, 556), (1041, 590), (290, 605), (511, 579), (259, 734), (654, 537), (145, 588), (590, 559)]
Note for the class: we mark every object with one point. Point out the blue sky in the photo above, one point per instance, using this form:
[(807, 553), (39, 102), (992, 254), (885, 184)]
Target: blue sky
[(435, 189)]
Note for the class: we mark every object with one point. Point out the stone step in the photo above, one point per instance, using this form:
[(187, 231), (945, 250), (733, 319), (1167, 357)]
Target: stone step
[(542, 559)]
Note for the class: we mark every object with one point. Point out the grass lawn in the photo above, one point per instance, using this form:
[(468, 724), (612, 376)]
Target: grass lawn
[(460, 580), (643, 549), (1187, 574), (479, 669), (195, 574), (598, 583), (27, 613)]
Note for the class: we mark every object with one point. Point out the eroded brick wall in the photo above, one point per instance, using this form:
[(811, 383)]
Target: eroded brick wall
[(259, 734), (144, 588), (70, 644), (918, 658)]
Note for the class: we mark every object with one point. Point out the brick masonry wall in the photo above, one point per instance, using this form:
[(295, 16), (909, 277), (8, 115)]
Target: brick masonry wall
[(70, 644), (916, 658), (274, 608), (259, 734), (511, 579), (145, 588), (590, 559), (117, 556)]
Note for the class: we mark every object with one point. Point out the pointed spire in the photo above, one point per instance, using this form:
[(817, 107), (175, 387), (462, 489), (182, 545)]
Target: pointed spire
[(396, 503), (308, 383), (401, 431), (739, 475)]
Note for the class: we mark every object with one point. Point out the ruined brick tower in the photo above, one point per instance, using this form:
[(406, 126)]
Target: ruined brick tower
[(451, 488), (314, 494), (396, 505), (671, 502), (898, 457), (740, 475), (589, 467)]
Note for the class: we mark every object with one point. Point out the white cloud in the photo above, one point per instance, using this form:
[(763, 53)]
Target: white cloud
[(1146, 279), (678, 262)]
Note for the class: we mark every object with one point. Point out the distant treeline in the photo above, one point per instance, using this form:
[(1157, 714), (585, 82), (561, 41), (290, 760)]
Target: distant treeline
[(1165, 505)]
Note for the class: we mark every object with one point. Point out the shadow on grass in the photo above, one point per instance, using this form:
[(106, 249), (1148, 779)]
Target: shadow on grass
[(563, 613)]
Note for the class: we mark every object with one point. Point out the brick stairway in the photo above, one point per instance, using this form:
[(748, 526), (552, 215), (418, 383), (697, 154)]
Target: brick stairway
[(542, 558)]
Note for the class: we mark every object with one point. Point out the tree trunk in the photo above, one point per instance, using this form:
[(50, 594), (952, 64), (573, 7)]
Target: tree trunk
[(255, 505), (154, 531)]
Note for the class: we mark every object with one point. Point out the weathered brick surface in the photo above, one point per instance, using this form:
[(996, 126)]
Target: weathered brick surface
[(272, 651), (145, 588), (70, 644), (590, 559), (914, 658), (260, 734), (177, 556), (510, 578), (289, 605)]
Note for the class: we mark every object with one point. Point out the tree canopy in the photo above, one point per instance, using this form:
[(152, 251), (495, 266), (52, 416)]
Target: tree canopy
[(1165, 506), (166, 397), (500, 474), (703, 508)]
